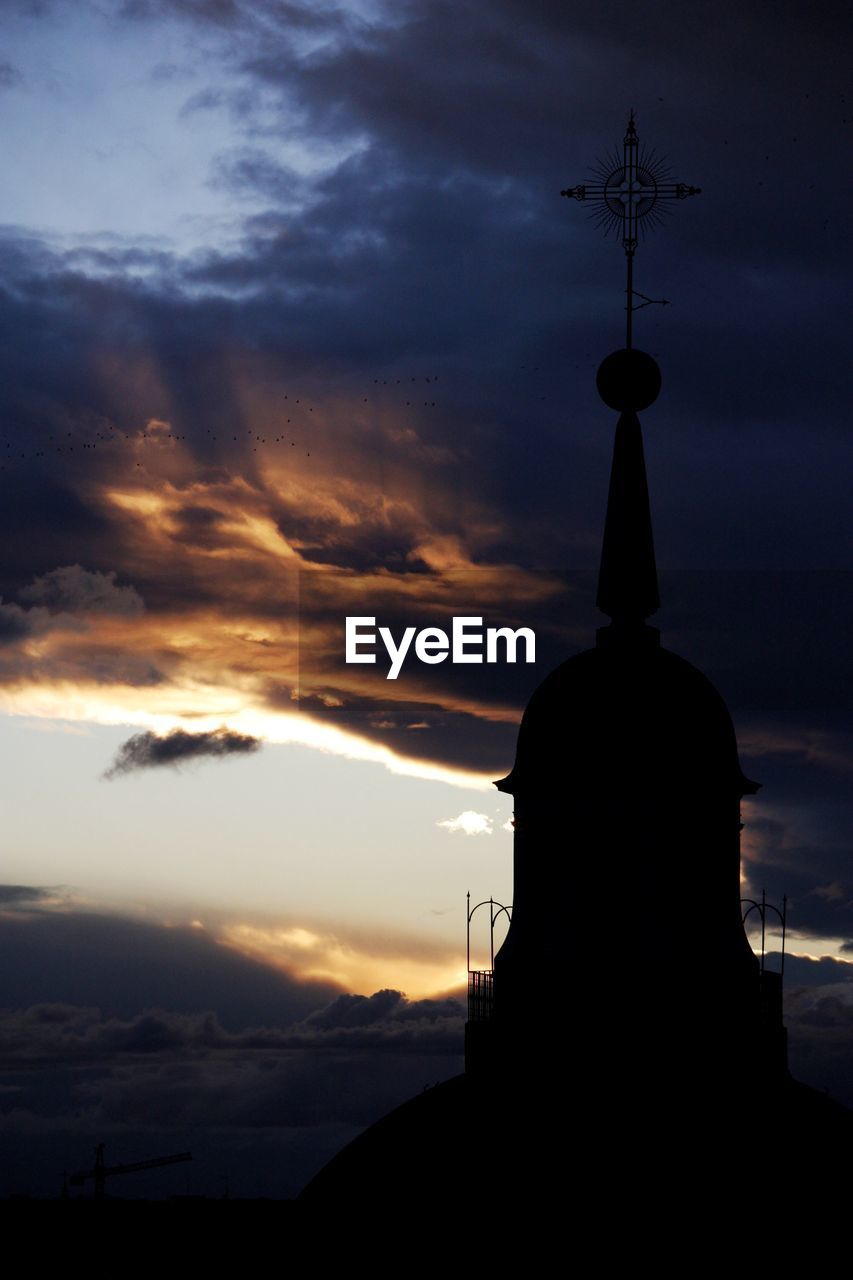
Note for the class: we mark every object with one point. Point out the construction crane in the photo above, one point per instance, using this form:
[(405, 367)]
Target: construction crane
[(102, 1171)]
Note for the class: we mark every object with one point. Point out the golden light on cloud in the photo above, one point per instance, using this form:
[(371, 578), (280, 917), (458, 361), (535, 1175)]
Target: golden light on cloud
[(215, 710), (324, 956), (245, 563), (806, 947)]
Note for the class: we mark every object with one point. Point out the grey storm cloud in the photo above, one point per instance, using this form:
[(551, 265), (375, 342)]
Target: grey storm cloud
[(123, 966), (74, 589), (139, 987), (69, 1033), (148, 1079), (15, 895), (387, 1007), (820, 1032), (152, 1029), (15, 624), (63, 599), (150, 751)]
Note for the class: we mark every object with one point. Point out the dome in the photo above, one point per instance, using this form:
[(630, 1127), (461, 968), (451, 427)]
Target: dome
[(487, 1146), (629, 708)]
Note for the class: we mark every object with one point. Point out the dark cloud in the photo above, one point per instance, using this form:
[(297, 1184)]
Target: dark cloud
[(259, 17), (22, 895), (50, 510), (269, 1119), (67, 1033), (249, 171), (122, 966), (98, 664), (802, 972), (415, 730), (819, 1018), (75, 589), (218, 12), (10, 76), (63, 599), (357, 1011), (148, 751), (200, 527), (14, 623), (159, 1038), (387, 1007)]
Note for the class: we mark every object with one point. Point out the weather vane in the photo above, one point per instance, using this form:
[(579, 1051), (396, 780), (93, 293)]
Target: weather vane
[(629, 196)]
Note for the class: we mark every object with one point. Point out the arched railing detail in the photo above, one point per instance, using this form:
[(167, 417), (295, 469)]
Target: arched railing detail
[(481, 981), (762, 908)]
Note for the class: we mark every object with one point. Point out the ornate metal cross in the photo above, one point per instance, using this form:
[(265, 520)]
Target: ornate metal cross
[(631, 191)]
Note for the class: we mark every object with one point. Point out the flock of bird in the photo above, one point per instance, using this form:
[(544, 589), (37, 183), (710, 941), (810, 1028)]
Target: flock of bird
[(73, 443)]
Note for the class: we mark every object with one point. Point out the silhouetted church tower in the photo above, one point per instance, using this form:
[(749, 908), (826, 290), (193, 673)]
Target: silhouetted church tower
[(626, 1013), (627, 789)]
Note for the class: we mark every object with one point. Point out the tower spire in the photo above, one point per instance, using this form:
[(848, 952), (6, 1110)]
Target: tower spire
[(627, 578), (628, 380), (631, 193)]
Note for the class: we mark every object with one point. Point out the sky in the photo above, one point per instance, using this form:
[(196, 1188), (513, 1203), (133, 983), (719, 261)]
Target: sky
[(295, 327)]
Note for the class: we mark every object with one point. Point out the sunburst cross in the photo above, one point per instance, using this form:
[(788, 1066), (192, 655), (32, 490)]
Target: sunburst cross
[(631, 194)]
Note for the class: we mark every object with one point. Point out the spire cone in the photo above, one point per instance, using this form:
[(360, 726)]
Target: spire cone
[(627, 582)]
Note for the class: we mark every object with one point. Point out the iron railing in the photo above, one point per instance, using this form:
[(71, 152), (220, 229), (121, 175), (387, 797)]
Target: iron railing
[(480, 994)]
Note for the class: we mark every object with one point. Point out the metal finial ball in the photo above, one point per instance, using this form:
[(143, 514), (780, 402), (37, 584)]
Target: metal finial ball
[(628, 379)]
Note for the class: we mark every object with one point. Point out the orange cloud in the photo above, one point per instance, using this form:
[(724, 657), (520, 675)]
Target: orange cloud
[(244, 567), (357, 965)]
